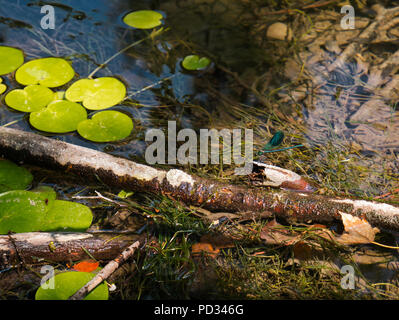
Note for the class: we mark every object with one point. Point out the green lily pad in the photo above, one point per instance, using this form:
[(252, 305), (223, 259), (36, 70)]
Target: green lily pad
[(49, 72), (67, 283), (29, 99), (10, 59), (38, 210), (106, 126), (194, 62), (143, 19), (13, 177), (24, 211), (3, 87), (67, 216), (60, 116), (97, 94)]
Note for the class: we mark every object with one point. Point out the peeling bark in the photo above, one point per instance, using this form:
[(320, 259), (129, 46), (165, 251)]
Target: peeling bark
[(121, 173)]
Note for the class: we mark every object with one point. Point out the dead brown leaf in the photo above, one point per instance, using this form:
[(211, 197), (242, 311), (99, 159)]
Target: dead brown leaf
[(275, 233), (357, 230)]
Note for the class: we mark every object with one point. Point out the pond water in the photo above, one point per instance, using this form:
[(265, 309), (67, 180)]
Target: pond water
[(88, 33)]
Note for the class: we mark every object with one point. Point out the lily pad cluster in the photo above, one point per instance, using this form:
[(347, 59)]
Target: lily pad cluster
[(62, 112), (59, 112), (38, 209)]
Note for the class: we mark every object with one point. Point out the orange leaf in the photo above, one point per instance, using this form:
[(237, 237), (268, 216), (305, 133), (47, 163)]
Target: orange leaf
[(86, 266), (206, 248)]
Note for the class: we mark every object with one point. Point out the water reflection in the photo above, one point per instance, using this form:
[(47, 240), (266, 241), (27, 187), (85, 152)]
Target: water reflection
[(354, 102)]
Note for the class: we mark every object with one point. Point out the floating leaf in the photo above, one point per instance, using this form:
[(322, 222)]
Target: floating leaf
[(49, 72), (60, 116), (86, 266), (67, 283), (32, 98), (143, 19), (97, 94), (24, 211), (3, 87), (13, 177), (194, 62), (67, 216), (10, 59), (106, 126)]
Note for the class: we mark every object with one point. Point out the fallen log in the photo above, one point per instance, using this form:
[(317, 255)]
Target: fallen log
[(125, 174), (31, 247)]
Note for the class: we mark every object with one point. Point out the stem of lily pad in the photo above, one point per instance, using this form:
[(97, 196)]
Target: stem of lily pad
[(152, 35), (10, 123), (149, 86)]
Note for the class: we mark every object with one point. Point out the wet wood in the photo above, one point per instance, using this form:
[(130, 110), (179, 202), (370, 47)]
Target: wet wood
[(31, 247), (125, 174)]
